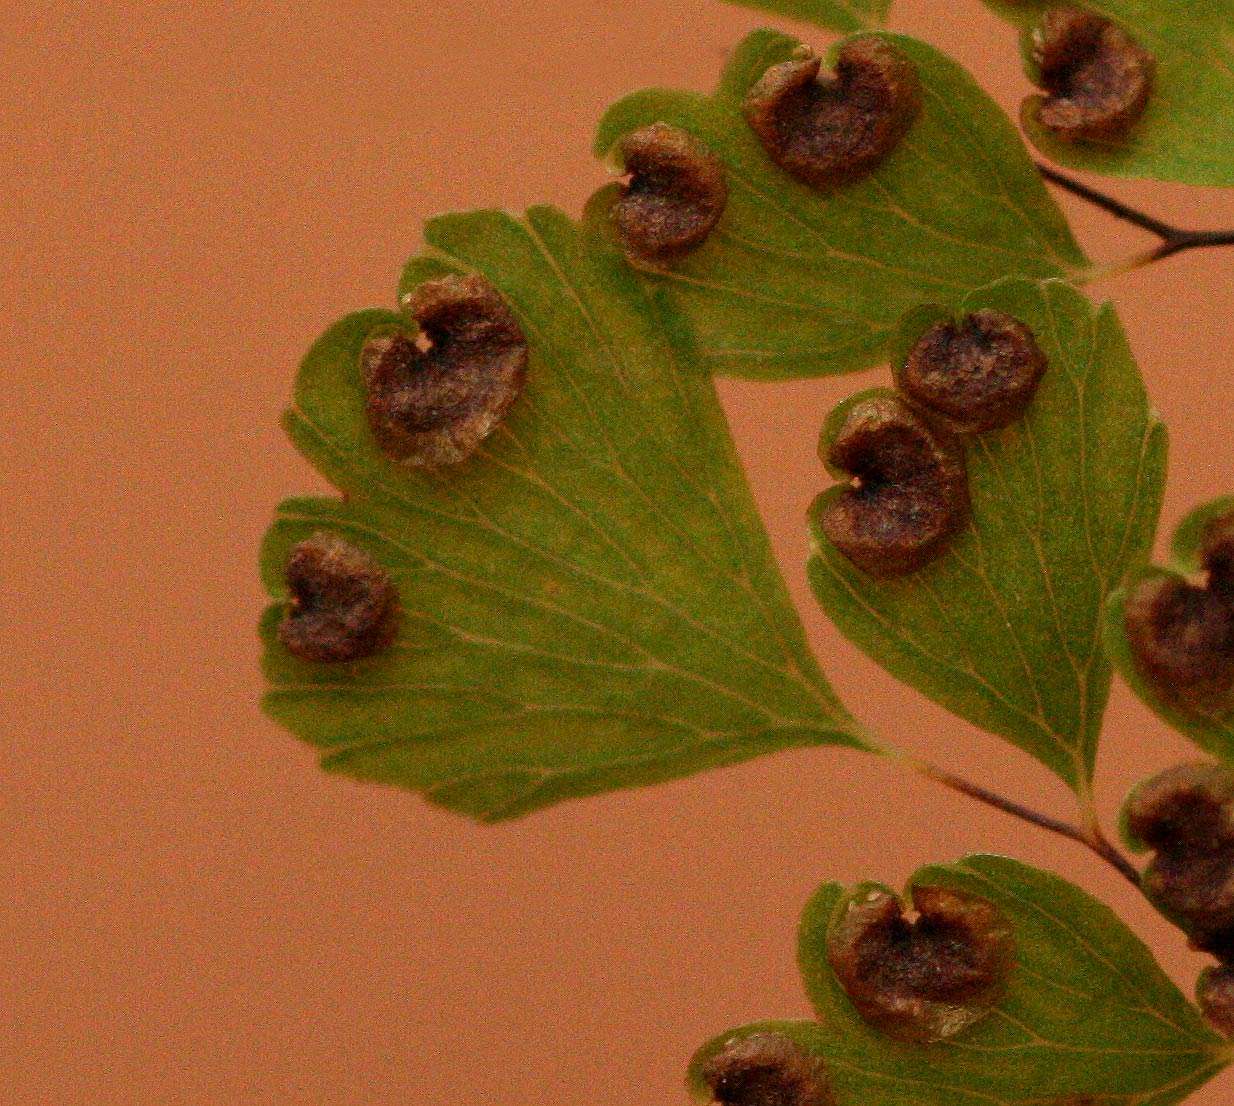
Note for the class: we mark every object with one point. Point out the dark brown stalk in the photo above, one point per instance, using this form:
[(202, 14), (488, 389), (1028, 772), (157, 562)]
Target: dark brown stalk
[(1091, 838), (1173, 239)]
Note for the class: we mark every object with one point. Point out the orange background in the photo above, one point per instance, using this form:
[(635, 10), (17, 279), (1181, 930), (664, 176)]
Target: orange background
[(192, 913)]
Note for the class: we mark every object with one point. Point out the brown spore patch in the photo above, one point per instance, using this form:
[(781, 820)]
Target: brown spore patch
[(829, 129), (924, 979), (1185, 816), (343, 604), (1181, 636), (1215, 994), (977, 374), (767, 1069), (432, 399), (674, 197), (1097, 78), (909, 495)]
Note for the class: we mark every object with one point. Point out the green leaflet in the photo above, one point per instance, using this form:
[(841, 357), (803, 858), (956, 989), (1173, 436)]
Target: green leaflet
[(1087, 1011), (796, 283), (1213, 731), (844, 16), (1187, 131), (1004, 629), (590, 602)]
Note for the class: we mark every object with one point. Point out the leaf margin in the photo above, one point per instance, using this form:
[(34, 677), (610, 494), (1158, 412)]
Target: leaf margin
[(1128, 159), (1215, 736), (342, 341), (715, 119), (829, 572), (939, 1078)]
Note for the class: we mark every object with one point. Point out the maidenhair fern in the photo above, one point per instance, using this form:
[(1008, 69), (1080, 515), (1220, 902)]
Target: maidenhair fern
[(545, 577)]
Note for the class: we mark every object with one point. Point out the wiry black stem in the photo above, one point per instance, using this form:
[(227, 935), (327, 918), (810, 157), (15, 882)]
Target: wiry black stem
[(1173, 239), (1092, 839)]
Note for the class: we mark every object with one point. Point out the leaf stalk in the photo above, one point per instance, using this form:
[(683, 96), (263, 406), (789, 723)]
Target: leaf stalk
[(1174, 239), (1090, 836)]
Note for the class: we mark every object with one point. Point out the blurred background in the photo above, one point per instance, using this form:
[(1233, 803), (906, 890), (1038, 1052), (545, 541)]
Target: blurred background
[(193, 913)]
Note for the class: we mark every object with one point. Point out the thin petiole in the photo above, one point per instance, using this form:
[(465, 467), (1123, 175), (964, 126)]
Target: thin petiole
[(1173, 239), (1108, 203), (1090, 837)]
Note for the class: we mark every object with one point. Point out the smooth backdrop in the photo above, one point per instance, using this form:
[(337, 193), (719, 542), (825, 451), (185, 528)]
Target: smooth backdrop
[(191, 912)]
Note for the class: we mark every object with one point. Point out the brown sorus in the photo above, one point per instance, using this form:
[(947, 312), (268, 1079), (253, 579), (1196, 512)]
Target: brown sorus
[(830, 129), (1096, 77), (977, 374), (1181, 637), (1215, 994), (926, 979), (674, 197), (910, 493), (343, 604), (432, 402), (766, 1069), (1185, 815)]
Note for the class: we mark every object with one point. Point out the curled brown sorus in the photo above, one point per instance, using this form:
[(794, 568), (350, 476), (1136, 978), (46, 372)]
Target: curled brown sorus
[(343, 605), (432, 401), (1185, 816), (1096, 77), (1181, 634), (829, 130), (674, 197), (910, 490), (927, 979), (1215, 994), (1217, 555), (766, 1069), (977, 374)]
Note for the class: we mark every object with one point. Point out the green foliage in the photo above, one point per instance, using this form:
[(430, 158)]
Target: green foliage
[(1187, 131), (590, 602), (796, 283), (1087, 1010), (1004, 629), (844, 16), (1212, 729)]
